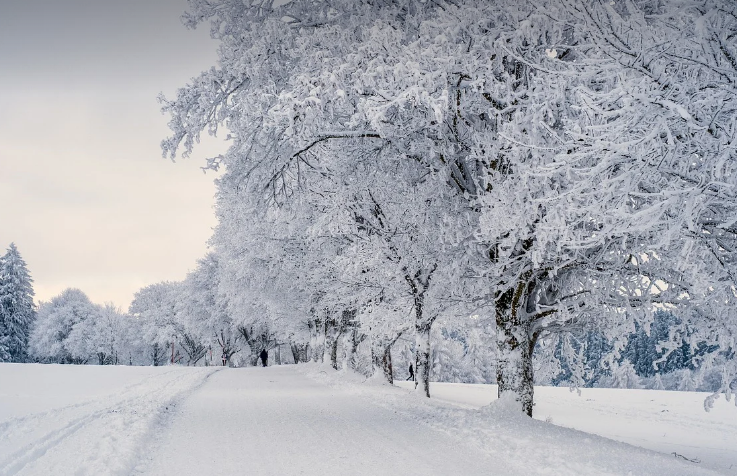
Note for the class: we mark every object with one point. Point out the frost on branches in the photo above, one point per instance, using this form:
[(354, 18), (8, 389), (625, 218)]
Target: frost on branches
[(568, 164)]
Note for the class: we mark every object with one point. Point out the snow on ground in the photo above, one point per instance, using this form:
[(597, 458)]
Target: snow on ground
[(276, 421), (85, 420), (518, 444), (664, 421), (311, 420)]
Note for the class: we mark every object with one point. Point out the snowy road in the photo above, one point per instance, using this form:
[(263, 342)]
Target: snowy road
[(275, 421), (298, 420)]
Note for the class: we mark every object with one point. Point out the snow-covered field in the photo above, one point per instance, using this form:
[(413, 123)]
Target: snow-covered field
[(664, 421), (307, 419), (92, 420)]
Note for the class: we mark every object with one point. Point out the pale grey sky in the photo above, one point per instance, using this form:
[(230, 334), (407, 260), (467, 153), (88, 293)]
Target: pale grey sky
[(84, 191)]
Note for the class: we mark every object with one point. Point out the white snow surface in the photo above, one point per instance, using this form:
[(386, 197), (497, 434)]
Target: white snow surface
[(309, 419), (660, 420), (84, 420)]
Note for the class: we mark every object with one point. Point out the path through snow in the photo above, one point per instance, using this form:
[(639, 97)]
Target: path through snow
[(277, 421), (282, 420)]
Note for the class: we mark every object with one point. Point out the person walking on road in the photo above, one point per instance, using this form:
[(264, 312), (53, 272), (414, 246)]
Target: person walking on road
[(264, 357), (411, 373), (225, 359)]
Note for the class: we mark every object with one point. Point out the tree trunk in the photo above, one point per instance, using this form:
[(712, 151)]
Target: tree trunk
[(319, 350), (304, 352), (312, 324), (381, 359), (334, 351), (515, 345), (375, 358), (386, 364), (295, 352), (329, 339), (422, 357), (348, 349), (300, 352), (355, 342), (419, 284), (253, 358)]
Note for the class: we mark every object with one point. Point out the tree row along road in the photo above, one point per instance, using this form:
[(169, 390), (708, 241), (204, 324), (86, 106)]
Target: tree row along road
[(276, 421)]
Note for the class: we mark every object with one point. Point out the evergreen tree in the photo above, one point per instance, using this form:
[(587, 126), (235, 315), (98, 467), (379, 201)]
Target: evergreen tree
[(597, 347), (17, 311), (644, 352), (4, 351)]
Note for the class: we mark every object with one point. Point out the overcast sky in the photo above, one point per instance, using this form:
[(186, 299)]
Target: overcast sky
[(84, 191)]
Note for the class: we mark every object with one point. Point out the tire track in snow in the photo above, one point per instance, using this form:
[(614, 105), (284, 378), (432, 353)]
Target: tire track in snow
[(162, 422), (131, 413), (38, 448), (19, 422)]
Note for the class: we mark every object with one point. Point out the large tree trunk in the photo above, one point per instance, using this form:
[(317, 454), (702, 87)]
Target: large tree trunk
[(332, 335), (375, 357), (356, 342), (351, 341), (348, 331), (349, 350), (381, 359), (327, 341), (419, 284), (253, 358), (320, 342), (386, 365), (317, 340), (514, 346), (296, 352), (312, 325), (334, 352), (422, 356)]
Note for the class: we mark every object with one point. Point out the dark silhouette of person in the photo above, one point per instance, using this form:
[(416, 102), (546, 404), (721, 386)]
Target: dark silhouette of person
[(411, 373), (225, 359), (264, 357)]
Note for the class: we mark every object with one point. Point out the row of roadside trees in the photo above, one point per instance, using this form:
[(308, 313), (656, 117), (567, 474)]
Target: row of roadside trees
[(556, 167), (173, 322), (504, 176)]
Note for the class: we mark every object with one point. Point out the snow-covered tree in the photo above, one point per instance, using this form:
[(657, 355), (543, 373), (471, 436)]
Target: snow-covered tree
[(17, 310), (260, 281), (623, 375), (53, 338), (105, 338), (154, 308), (203, 312), (679, 74), (580, 132)]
